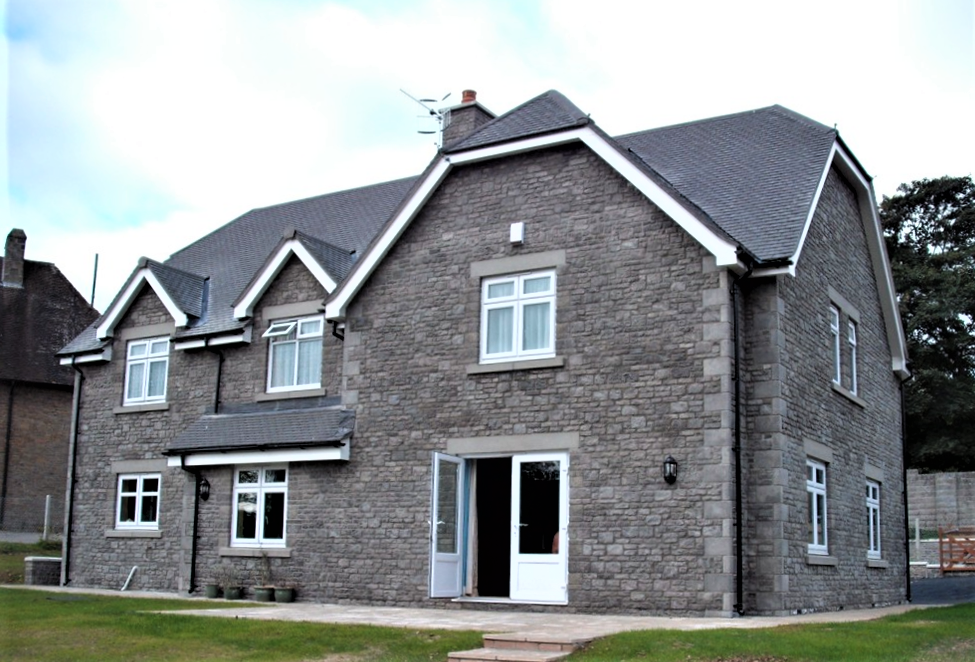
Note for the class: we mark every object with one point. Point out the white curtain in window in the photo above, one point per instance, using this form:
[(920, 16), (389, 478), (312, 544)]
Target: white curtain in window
[(535, 319), (309, 361), (500, 327), (157, 379), (136, 377), (283, 364)]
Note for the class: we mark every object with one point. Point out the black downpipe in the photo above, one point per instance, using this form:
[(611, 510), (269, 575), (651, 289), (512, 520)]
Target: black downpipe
[(216, 389), (6, 451), (196, 526), (907, 519), (335, 331), (79, 379), (739, 520)]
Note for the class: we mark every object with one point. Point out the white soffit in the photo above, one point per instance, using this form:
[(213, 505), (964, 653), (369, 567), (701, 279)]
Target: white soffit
[(725, 251), (245, 308), (144, 275)]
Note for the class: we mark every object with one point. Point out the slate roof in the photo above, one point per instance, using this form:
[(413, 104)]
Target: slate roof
[(185, 289), (36, 320), (298, 428), (750, 176), (231, 255), (546, 113), (755, 174)]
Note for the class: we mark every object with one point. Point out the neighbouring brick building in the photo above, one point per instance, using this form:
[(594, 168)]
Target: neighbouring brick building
[(658, 372), (40, 311)]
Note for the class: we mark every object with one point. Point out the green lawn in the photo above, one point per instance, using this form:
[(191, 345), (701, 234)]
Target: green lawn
[(945, 634), (45, 627), (12, 558)]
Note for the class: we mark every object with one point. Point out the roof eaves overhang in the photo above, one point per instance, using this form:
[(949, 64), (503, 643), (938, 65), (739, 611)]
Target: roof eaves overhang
[(244, 305), (331, 452), (724, 250), (854, 173), (125, 299)]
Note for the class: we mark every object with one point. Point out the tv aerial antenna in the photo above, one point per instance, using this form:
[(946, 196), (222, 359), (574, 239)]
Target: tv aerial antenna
[(434, 120)]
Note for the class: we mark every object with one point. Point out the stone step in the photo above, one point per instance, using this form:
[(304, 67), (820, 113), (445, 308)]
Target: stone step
[(537, 642), (507, 655)]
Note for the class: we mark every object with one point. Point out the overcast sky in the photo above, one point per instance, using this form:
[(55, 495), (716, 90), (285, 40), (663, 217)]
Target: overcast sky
[(137, 126)]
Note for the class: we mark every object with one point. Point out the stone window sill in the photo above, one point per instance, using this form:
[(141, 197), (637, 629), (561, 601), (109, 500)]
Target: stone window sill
[(290, 395), (134, 533), (138, 409), (508, 366), (849, 395), (821, 559), (257, 552), (877, 563)]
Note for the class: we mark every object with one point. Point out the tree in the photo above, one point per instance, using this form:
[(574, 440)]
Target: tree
[(929, 227)]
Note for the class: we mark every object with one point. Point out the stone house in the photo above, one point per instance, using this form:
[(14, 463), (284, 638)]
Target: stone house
[(659, 372), (40, 311)]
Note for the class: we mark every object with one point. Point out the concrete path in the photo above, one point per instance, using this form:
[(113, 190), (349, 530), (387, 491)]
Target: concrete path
[(542, 624)]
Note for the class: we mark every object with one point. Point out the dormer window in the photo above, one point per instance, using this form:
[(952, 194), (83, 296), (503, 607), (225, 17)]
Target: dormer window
[(146, 369), (295, 354)]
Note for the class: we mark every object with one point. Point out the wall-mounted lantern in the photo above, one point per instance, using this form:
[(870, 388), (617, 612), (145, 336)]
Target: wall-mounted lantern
[(670, 470), (204, 489)]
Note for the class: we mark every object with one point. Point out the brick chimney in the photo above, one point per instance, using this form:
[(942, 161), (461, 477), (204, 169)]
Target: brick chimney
[(465, 118), (13, 259)]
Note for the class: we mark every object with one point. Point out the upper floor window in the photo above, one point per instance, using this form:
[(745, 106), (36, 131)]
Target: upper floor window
[(873, 519), (295, 353), (816, 498), (518, 317), (260, 506), (851, 338), (138, 501), (834, 331), (146, 368)]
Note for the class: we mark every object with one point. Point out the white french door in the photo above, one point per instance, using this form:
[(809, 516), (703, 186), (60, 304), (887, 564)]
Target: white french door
[(539, 527), (446, 526)]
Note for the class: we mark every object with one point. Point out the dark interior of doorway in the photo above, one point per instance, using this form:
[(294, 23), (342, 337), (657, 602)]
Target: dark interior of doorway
[(494, 526)]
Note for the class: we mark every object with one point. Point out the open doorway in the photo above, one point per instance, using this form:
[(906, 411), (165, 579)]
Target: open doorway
[(492, 515)]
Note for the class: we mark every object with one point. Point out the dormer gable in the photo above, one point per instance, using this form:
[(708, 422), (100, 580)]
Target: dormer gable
[(327, 263), (183, 294)]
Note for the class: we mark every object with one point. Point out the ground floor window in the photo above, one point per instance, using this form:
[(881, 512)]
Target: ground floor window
[(260, 506), (138, 501), (816, 493), (873, 519)]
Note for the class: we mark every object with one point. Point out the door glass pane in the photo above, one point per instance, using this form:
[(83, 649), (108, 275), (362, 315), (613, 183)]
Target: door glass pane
[(275, 475), (539, 516), (536, 333), (500, 330), (274, 516), (247, 476), (447, 507), (247, 515)]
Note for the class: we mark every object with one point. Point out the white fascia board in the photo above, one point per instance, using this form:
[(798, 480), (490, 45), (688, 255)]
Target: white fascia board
[(335, 307), (241, 337), (92, 357), (867, 203), (326, 454), (245, 308), (725, 252), (107, 327), (789, 270)]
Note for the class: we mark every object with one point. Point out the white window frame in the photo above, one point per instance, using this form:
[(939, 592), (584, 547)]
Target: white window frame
[(151, 357), (261, 488), (834, 330), (140, 495), (281, 332), (816, 489), (851, 338), (517, 301), (873, 519)]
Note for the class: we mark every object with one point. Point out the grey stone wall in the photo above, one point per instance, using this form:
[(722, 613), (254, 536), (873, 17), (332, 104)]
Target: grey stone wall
[(941, 499), (642, 325), (792, 404)]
